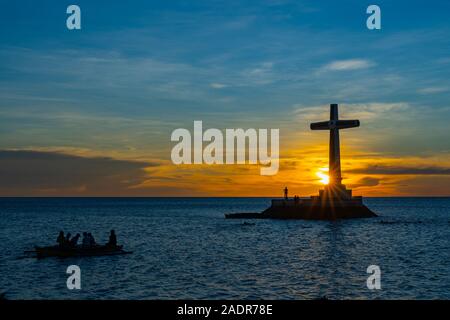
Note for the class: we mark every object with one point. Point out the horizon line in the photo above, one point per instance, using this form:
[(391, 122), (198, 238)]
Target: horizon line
[(206, 197)]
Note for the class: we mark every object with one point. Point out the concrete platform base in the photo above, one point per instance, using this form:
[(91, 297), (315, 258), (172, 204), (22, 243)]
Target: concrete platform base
[(310, 209)]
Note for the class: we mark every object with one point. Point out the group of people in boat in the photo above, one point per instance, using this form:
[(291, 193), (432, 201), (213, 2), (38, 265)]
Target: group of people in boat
[(88, 240)]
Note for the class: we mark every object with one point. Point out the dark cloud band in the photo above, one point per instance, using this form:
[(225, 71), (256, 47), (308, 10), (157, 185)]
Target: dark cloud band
[(400, 170), (50, 173)]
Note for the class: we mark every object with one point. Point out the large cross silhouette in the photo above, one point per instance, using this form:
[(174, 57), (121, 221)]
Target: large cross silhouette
[(334, 124)]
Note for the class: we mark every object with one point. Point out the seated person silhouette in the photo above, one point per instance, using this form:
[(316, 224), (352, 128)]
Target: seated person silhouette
[(61, 240), (85, 240), (112, 239), (68, 237), (73, 242), (91, 240)]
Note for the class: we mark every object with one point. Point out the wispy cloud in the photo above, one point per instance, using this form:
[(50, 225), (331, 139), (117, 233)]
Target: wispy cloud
[(216, 85), (432, 90), (362, 111), (262, 74), (366, 182), (350, 64)]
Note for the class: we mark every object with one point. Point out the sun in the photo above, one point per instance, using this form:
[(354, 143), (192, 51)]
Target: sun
[(324, 178)]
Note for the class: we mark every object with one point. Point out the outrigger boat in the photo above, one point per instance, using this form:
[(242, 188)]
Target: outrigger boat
[(79, 251)]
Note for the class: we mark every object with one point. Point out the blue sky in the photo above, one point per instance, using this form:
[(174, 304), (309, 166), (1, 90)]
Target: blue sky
[(139, 69)]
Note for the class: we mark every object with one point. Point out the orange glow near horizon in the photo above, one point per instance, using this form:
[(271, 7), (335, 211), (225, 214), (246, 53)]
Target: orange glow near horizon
[(324, 178), (303, 170)]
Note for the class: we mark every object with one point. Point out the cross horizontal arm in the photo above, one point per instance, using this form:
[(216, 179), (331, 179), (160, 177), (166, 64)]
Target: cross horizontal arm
[(344, 124), (323, 125)]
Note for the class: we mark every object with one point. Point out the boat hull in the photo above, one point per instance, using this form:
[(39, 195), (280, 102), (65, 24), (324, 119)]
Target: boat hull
[(56, 251)]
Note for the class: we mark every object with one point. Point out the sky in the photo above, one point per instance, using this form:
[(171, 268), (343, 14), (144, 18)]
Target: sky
[(90, 112)]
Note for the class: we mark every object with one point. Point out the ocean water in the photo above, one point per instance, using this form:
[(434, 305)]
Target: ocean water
[(185, 249)]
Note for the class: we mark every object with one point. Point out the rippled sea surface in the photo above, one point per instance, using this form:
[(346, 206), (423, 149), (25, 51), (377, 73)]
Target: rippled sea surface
[(185, 249)]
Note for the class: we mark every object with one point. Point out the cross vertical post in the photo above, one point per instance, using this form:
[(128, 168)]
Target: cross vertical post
[(333, 125)]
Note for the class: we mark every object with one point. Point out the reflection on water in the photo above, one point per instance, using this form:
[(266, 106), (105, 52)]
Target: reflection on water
[(184, 248)]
